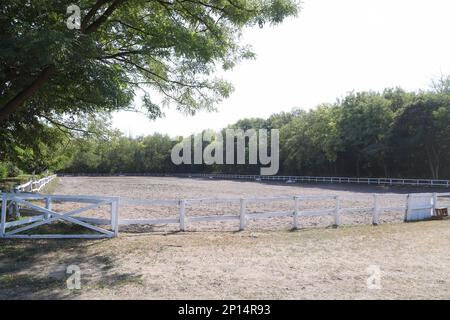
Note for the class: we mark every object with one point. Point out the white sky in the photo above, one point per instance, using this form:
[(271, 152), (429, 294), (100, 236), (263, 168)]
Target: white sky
[(333, 47)]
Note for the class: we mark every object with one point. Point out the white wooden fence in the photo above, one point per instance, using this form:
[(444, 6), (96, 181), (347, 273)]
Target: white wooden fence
[(313, 179), (414, 209), (34, 186), (289, 179)]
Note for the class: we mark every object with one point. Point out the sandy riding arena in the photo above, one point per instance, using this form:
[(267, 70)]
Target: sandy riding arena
[(267, 260)]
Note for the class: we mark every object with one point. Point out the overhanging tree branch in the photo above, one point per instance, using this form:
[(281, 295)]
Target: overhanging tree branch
[(91, 13), (97, 23), (12, 105), (15, 102)]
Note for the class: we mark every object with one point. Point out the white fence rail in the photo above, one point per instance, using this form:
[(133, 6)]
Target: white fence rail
[(298, 179), (289, 179), (417, 206), (375, 210), (34, 186)]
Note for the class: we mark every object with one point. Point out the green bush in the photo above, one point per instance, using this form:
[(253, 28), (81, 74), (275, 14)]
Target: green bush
[(9, 170), (4, 170), (14, 171)]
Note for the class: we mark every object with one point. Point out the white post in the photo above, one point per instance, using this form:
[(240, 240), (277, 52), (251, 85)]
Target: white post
[(434, 203), (3, 216), (337, 220), (182, 215), (243, 218), (408, 207), (296, 213), (376, 211), (115, 216), (48, 205)]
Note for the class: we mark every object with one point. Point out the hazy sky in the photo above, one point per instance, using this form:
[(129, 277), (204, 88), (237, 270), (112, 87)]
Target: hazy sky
[(333, 47)]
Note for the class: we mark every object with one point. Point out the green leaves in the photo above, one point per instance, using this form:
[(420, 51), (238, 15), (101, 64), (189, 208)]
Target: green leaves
[(169, 49), (172, 48)]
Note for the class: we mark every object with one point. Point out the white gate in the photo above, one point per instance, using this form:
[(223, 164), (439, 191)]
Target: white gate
[(420, 206), (15, 202)]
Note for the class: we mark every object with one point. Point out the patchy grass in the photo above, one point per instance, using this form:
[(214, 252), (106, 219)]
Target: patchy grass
[(51, 187), (12, 282), (8, 184)]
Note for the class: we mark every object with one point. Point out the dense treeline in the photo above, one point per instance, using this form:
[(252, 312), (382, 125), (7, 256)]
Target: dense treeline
[(391, 133)]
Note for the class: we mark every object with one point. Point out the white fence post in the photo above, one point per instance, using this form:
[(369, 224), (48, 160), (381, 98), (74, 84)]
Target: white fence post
[(243, 218), (376, 211), (182, 215), (115, 216), (337, 220), (48, 205), (434, 203), (3, 216), (408, 206), (296, 209)]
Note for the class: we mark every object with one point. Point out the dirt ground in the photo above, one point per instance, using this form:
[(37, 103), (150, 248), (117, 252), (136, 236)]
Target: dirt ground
[(413, 259), (410, 260)]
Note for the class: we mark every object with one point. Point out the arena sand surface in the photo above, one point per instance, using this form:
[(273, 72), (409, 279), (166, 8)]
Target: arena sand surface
[(259, 263)]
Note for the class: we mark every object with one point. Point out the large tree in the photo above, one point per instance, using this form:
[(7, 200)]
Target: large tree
[(53, 76), (171, 47)]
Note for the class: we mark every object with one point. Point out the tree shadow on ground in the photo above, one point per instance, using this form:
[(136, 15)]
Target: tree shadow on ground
[(37, 269)]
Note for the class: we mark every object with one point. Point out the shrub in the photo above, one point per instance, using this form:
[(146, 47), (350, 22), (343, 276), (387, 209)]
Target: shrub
[(3, 170), (14, 171)]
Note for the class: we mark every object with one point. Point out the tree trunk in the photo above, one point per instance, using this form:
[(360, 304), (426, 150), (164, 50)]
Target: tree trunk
[(430, 163), (357, 165), (437, 162), (18, 100), (385, 169), (12, 105)]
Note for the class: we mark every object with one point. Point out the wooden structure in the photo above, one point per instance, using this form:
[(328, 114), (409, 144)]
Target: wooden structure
[(440, 213), (45, 215)]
